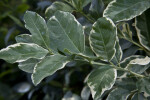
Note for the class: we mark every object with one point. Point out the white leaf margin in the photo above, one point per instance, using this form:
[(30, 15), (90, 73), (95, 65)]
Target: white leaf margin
[(90, 42), (105, 88), (125, 19)]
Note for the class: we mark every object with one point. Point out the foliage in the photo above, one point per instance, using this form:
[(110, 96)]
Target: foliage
[(110, 37)]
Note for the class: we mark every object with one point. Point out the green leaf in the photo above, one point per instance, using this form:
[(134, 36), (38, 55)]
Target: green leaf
[(138, 67), (38, 28), (138, 96), (66, 32), (28, 65), (126, 83), (48, 66), (143, 85), (100, 80), (102, 38), (123, 10), (57, 6), (141, 61), (124, 64), (24, 38), (118, 55), (79, 4), (118, 94), (106, 2), (142, 24), (96, 9), (22, 51), (16, 20)]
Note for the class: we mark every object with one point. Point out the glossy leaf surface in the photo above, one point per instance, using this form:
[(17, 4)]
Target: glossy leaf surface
[(22, 51), (66, 33), (48, 66), (123, 10), (102, 38), (100, 80)]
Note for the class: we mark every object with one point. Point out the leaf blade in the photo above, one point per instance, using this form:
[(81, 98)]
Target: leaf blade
[(48, 66), (38, 28), (123, 10), (66, 30), (100, 80), (102, 38), (22, 51)]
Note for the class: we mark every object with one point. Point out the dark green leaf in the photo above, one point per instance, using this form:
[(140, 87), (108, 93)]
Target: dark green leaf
[(143, 29), (143, 85), (138, 96), (118, 55), (118, 94), (102, 38)]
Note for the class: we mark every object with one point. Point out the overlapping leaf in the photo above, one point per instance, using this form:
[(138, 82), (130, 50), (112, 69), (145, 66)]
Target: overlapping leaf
[(66, 33), (22, 51), (123, 10), (143, 29), (38, 28), (48, 66), (100, 80), (118, 94), (143, 85), (28, 65), (103, 38), (96, 9), (57, 6), (118, 55), (24, 38)]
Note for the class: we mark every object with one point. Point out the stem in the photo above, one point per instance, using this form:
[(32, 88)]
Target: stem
[(138, 46), (119, 68)]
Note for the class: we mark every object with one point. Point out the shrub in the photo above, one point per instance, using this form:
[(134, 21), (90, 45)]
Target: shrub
[(120, 68)]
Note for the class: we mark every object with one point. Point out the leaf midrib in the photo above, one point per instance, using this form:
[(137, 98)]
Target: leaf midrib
[(39, 32), (66, 34)]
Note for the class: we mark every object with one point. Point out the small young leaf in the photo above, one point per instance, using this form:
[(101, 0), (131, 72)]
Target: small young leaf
[(22, 51), (123, 10), (24, 38), (28, 65), (57, 6), (103, 38), (48, 66), (100, 80), (142, 24), (118, 94), (66, 32), (38, 28)]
